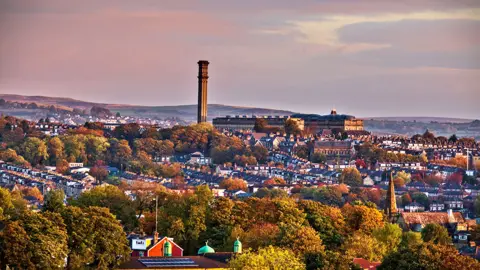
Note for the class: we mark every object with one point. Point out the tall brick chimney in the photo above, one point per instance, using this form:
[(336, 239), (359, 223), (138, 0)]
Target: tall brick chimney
[(202, 90)]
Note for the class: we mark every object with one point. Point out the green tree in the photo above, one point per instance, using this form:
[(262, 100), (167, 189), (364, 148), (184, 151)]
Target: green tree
[(351, 177), (411, 239), (114, 199), (477, 205), (453, 139), (267, 258), (36, 241), (6, 205), (95, 148), (53, 201), (326, 220), (220, 222), (436, 233), (90, 233), (389, 236), (329, 195), (421, 198), (34, 150), (270, 193), (75, 148), (318, 158)]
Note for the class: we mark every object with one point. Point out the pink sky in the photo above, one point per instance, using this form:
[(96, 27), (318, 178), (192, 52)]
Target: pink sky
[(367, 58)]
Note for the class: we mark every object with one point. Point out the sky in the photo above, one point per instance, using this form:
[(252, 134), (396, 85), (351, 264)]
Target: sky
[(366, 58)]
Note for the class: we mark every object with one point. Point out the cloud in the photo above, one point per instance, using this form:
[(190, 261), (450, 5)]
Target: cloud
[(325, 29), (301, 55)]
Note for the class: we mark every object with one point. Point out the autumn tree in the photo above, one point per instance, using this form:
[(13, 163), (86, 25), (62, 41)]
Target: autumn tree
[(433, 180), (114, 199), (260, 153), (260, 236), (363, 218), (95, 148), (11, 155), (260, 125), (61, 166), (362, 245), (55, 150), (35, 241), (399, 182), (406, 177), (233, 184), (267, 258), (100, 172), (326, 220), (34, 151), (292, 127), (274, 181), (351, 177), (428, 256), (75, 148), (90, 232), (119, 153), (34, 192)]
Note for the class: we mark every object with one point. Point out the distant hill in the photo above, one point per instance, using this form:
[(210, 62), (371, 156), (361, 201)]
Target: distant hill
[(421, 119), (186, 112)]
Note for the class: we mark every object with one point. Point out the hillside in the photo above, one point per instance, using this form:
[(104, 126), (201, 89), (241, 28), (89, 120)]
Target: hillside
[(186, 112), (421, 119)]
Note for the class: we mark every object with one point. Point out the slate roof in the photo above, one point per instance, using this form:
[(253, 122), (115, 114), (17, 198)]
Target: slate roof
[(431, 217)]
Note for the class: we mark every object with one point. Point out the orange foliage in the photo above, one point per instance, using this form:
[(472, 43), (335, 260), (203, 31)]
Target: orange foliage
[(274, 181), (34, 192), (86, 131), (233, 184)]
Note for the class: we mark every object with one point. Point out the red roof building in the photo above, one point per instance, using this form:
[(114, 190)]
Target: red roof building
[(366, 265), (151, 246)]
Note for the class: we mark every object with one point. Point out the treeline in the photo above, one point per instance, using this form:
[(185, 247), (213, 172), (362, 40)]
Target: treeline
[(429, 137), (59, 237), (371, 154), (127, 147), (305, 234)]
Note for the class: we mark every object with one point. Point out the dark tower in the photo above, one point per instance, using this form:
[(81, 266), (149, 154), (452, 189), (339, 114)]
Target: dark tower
[(202, 90), (391, 202)]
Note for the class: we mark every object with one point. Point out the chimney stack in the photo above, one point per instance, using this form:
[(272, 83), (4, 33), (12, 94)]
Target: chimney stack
[(202, 90), (155, 237)]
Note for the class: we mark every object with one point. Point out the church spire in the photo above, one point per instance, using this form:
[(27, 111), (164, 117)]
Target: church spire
[(391, 202)]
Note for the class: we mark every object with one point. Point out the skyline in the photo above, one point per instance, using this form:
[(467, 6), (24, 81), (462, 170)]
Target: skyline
[(368, 59)]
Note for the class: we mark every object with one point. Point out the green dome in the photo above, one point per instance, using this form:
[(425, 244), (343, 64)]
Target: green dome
[(237, 246), (206, 249)]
